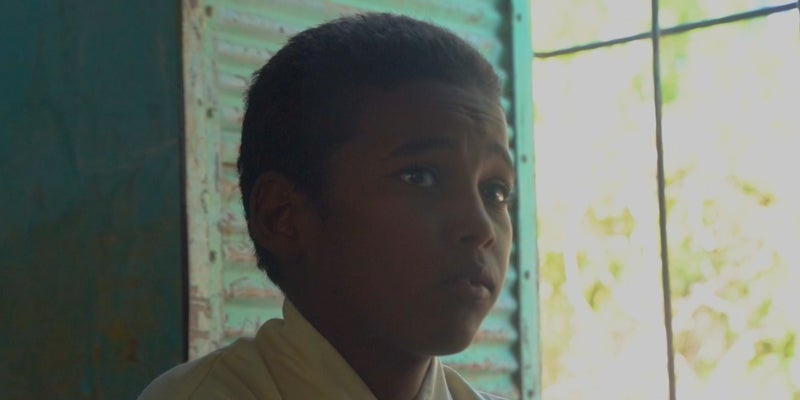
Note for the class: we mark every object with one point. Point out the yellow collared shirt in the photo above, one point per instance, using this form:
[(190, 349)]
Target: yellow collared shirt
[(288, 360)]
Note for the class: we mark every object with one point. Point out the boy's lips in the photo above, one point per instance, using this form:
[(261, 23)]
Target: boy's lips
[(473, 281)]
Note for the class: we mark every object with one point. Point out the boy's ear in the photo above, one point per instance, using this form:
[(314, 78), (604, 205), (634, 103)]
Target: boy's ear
[(273, 214)]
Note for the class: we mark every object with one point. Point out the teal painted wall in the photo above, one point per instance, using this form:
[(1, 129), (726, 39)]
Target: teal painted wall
[(91, 257)]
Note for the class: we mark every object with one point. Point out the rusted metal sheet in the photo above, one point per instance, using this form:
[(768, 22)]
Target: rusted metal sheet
[(202, 197), (91, 263), (225, 41)]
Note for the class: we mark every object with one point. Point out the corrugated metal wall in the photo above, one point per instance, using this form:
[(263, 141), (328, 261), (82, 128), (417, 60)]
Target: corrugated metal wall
[(224, 42)]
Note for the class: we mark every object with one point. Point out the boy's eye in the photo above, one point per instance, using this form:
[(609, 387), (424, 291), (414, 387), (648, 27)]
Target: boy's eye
[(419, 176), (497, 193)]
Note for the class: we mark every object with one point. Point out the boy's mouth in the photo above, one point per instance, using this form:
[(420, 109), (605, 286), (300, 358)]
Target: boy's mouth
[(472, 284)]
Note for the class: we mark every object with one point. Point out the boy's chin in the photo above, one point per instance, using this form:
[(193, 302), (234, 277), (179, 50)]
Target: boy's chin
[(451, 344)]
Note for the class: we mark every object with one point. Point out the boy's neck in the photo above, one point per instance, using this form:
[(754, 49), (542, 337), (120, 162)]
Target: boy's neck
[(389, 374), (389, 378)]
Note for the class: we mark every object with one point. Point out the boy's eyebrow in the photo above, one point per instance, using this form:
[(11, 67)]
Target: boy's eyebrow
[(425, 145), (415, 147)]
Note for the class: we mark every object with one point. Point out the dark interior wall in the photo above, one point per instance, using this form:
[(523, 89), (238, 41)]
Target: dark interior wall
[(91, 258)]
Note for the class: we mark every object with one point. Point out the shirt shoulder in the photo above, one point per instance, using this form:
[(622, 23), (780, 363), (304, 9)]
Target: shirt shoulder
[(233, 372)]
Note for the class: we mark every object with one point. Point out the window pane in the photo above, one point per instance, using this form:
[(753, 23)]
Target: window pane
[(732, 139), (676, 12), (565, 23), (600, 294)]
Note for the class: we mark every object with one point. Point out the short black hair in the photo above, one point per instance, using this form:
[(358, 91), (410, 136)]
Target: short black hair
[(301, 105)]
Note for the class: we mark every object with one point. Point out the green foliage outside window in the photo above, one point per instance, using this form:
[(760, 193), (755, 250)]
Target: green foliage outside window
[(731, 141)]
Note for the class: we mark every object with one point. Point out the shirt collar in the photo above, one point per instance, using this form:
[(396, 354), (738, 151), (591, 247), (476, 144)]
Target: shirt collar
[(305, 365), (434, 386)]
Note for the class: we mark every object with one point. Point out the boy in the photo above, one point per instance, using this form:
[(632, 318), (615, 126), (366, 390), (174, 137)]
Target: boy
[(375, 177)]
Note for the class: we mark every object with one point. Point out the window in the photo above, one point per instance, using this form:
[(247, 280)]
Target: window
[(728, 90)]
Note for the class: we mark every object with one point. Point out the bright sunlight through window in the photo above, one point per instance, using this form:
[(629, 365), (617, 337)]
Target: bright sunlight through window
[(731, 134)]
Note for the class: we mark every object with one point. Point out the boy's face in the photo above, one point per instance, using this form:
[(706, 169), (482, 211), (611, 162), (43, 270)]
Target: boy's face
[(414, 244)]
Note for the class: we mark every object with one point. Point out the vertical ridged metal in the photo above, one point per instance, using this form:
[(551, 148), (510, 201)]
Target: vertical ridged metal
[(225, 41), (529, 375)]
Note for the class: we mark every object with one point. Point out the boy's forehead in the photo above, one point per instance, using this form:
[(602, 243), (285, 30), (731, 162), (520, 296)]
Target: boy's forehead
[(430, 105), (426, 119), (461, 97)]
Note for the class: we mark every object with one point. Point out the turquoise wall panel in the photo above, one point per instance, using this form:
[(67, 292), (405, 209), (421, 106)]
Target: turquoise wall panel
[(91, 264)]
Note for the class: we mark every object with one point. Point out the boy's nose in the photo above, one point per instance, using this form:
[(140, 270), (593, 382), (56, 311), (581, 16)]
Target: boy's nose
[(470, 224)]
